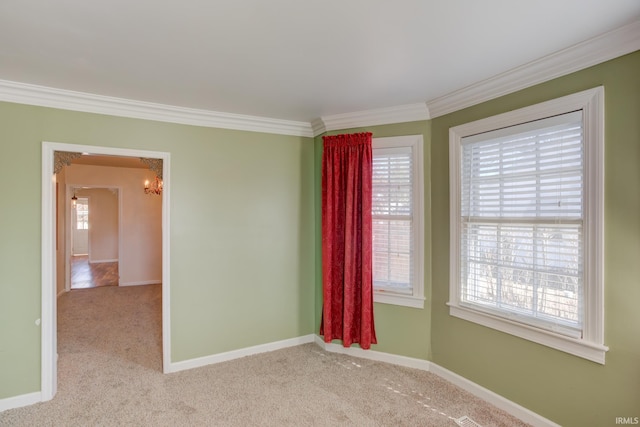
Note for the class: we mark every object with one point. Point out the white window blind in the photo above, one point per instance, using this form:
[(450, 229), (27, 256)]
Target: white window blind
[(522, 219), (392, 214)]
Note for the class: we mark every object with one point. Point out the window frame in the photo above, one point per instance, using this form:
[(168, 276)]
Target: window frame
[(416, 298), (591, 343)]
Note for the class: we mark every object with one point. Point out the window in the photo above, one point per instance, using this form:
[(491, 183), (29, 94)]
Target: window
[(526, 226), (397, 210)]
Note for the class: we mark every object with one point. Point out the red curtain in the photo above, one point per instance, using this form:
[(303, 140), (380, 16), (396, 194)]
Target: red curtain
[(347, 312)]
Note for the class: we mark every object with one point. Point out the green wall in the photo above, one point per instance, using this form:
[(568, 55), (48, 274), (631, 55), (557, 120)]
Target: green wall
[(400, 330), (242, 232), (566, 389)]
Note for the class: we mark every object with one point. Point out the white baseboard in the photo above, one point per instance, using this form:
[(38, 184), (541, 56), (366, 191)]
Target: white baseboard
[(409, 362), (493, 398), (98, 261), (485, 394), (20, 401), (235, 354), (140, 283)]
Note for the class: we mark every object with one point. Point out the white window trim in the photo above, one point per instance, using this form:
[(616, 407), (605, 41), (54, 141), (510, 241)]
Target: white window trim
[(416, 300), (591, 345)]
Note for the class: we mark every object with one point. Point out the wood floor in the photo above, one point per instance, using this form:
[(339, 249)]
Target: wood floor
[(85, 275)]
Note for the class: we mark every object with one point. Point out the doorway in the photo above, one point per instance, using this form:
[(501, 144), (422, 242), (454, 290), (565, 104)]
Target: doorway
[(50, 162), (93, 235), (80, 226)]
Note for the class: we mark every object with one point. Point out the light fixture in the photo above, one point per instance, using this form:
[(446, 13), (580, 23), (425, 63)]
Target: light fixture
[(155, 188), (74, 201)]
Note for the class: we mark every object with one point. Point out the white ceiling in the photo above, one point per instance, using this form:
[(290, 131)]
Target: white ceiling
[(287, 59)]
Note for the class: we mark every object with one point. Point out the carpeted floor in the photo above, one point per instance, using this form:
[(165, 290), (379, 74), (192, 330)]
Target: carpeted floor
[(109, 373)]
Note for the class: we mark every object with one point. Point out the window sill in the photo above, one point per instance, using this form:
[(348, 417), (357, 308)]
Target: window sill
[(398, 299), (577, 347)]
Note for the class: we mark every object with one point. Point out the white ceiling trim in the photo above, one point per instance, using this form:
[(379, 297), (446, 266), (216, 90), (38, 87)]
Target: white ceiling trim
[(599, 49), (23, 93), (607, 46), (379, 116), (318, 126)]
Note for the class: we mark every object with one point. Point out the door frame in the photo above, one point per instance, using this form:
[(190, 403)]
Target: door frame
[(49, 356)]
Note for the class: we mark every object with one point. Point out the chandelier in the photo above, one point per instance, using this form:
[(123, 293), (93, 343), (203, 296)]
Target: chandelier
[(153, 188)]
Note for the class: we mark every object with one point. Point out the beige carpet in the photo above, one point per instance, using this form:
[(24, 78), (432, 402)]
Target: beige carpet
[(109, 373)]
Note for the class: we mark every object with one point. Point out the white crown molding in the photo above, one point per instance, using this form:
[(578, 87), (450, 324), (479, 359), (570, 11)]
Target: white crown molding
[(43, 96), (599, 49), (318, 127), (594, 51), (379, 116)]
